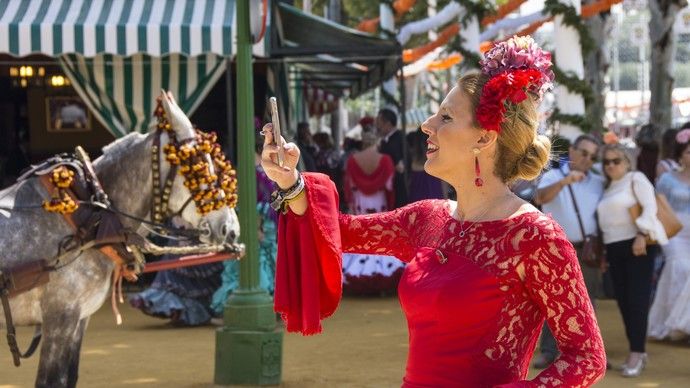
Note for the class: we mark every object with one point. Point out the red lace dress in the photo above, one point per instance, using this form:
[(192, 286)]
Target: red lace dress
[(474, 304)]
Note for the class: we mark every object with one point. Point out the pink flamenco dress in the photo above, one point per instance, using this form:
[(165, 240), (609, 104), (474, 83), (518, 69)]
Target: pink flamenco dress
[(363, 273), (474, 301)]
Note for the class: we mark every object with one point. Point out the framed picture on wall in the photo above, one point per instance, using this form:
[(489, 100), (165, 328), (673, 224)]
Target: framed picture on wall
[(67, 114)]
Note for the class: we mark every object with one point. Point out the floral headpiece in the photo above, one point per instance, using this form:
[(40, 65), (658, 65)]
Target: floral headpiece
[(515, 67), (683, 136)]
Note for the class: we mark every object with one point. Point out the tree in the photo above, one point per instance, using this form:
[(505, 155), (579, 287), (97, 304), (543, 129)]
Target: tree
[(663, 16), (596, 66)]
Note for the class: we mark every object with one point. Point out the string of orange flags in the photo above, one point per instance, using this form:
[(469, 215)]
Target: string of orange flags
[(402, 6), (502, 11), (399, 6), (413, 54), (587, 11)]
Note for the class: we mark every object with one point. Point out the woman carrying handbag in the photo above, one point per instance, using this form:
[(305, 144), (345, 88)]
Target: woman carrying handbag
[(631, 260)]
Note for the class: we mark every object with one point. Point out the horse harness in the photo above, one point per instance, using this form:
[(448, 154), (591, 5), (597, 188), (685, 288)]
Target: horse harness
[(93, 226), (96, 225)]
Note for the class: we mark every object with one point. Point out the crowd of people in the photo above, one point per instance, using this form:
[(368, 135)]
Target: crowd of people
[(378, 169), (591, 193)]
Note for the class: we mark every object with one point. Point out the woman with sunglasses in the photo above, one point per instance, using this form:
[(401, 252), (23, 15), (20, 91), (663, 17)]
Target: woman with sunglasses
[(630, 259)]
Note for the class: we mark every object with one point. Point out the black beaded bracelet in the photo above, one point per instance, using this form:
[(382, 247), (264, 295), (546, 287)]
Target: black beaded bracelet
[(279, 197), (293, 187)]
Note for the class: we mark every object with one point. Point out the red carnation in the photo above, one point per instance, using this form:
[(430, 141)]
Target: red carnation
[(512, 85)]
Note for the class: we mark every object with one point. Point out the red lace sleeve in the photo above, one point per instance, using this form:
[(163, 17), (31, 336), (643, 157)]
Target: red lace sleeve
[(309, 266), (554, 282), (388, 233)]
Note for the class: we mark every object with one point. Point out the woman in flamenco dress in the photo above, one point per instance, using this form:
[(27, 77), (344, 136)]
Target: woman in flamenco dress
[(482, 272), (369, 189)]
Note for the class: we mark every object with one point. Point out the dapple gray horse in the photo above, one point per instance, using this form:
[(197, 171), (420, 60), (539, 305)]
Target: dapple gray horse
[(75, 291)]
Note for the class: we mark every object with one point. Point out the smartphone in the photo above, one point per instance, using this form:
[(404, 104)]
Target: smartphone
[(277, 139)]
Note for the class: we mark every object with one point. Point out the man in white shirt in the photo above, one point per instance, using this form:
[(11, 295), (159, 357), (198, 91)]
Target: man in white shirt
[(555, 198)]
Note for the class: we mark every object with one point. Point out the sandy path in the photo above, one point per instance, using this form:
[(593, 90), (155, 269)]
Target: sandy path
[(363, 345)]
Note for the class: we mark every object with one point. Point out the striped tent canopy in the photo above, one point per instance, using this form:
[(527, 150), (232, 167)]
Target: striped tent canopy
[(119, 27), (121, 91), (119, 54)]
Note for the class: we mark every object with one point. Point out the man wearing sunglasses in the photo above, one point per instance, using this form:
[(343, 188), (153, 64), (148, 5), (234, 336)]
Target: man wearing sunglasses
[(555, 198)]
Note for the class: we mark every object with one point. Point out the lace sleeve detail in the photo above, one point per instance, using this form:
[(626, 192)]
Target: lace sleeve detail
[(554, 282), (389, 233)]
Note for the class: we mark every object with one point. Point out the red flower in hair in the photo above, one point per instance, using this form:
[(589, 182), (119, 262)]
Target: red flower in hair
[(515, 67), (512, 86)]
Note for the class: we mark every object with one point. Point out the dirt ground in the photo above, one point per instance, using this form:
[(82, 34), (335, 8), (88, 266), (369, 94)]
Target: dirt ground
[(363, 345)]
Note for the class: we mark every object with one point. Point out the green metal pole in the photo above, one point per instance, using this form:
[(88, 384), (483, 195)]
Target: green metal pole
[(249, 347)]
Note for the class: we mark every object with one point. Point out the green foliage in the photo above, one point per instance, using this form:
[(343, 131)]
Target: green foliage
[(572, 19), (365, 103), (478, 8), (575, 120), (573, 84), (570, 81)]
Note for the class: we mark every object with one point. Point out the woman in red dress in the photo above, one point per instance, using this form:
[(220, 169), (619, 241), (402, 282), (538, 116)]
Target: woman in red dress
[(369, 189), (482, 273)]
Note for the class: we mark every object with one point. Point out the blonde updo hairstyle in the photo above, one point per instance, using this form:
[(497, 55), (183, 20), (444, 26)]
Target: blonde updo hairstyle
[(521, 153)]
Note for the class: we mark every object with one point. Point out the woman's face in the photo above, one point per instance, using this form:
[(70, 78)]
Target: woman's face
[(451, 137), (615, 164)]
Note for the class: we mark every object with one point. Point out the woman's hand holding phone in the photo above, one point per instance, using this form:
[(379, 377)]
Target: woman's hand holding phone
[(286, 175)]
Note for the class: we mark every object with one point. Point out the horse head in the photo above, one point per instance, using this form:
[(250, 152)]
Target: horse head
[(203, 192)]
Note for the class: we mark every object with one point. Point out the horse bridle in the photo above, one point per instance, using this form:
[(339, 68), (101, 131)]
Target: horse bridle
[(160, 202)]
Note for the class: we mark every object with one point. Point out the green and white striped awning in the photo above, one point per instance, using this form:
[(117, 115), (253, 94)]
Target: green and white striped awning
[(118, 27), (121, 91)]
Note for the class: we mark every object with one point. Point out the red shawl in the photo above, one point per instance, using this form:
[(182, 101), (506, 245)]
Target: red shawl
[(370, 184), (309, 264)]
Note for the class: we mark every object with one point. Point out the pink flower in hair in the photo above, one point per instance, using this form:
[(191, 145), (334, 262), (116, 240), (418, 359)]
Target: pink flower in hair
[(519, 53), (683, 136)]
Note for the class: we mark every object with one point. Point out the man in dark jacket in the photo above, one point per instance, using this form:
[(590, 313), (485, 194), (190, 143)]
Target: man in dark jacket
[(392, 144), (307, 148)]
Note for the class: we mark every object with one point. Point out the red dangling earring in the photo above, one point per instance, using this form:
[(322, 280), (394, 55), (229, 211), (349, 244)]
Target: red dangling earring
[(478, 180)]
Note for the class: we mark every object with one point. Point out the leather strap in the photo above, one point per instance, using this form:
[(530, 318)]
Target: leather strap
[(106, 249), (91, 177), (577, 210), (11, 333)]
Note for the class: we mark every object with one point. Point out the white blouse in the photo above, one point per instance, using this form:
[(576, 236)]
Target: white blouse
[(614, 217)]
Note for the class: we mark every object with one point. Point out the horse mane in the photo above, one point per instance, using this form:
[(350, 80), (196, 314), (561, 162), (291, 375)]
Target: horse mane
[(122, 145)]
